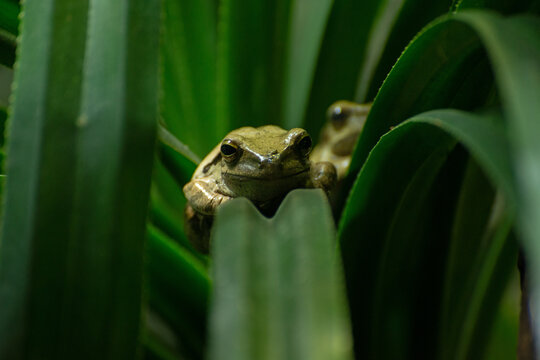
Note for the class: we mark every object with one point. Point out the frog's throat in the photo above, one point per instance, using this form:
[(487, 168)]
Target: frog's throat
[(265, 178)]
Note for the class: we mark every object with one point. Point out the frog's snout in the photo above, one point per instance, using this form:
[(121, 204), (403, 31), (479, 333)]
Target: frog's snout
[(272, 160)]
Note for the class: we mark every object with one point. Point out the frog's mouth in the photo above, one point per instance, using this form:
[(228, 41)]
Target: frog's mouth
[(264, 177), (265, 188)]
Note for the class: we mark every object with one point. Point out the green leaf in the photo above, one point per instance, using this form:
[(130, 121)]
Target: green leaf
[(514, 50), (277, 283), (166, 138), (396, 179), (385, 227), (252, 39), (178, 291), (80, 158), (435, 71), (9, 23), (307, 24), (358, 35), (484, 136), (7, 48), (41, 129), (188, 73), (3, 118), (399, 25), (501, 6), (9, 17)]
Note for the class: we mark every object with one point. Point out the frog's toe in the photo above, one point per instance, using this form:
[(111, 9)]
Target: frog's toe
[(324, 176)]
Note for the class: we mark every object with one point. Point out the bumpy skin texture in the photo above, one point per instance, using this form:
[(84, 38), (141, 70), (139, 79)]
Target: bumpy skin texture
[(345, 121), (262, 164)]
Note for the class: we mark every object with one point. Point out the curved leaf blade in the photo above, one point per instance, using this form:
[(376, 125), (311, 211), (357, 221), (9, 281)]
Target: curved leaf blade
[(381, 233), (514, 50), (356, 37)]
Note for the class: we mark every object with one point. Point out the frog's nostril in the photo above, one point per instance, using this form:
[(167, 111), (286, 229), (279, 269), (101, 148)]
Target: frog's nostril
[(264, 163), (270, 161)]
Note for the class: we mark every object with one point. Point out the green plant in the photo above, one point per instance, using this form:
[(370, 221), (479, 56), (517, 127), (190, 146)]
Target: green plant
[(442, 192)]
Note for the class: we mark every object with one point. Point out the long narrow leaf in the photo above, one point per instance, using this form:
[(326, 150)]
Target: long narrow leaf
[(251, 62), (358, 35), (382, 222), (188, 73), (514, 50), (178, 291), (80, 150), (307, 23), (42, 129)]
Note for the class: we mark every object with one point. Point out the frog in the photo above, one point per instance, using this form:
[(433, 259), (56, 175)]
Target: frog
[(345, 121), (262, 164)]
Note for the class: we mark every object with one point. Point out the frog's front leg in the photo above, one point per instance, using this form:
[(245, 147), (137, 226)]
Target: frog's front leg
[(323, 175), (203, 195), (197, 229), (203, 199)]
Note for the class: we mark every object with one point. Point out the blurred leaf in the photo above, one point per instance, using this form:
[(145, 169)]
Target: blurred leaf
[(504, 337), (484, 136), (307, 24), (41, 129), (170, 174), (166, 138), (252, 48), (9, 16), (7, 48), (433, 70), (277, 281), (188, 73), (3, 119), (381, 232), (397, 176), (357, 35), (9, 23), (80, 157), (514, 48), (502, 6), (383, 52), (178, 290)]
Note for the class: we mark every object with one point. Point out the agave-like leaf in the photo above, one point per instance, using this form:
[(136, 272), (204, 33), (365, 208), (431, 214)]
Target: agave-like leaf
[(81, 143)]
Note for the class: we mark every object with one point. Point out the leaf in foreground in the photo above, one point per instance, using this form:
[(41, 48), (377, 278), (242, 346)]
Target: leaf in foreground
[(278, 292)]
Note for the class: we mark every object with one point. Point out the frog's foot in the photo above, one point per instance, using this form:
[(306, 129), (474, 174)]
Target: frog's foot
[(197, 228), (323, 176), (203, 196)]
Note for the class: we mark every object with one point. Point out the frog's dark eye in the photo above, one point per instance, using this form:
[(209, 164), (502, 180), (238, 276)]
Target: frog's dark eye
[(229, 150), (304, 145), (338, 116)]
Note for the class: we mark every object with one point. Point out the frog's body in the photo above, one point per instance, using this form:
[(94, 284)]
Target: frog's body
[(345, 121), (262, 164)]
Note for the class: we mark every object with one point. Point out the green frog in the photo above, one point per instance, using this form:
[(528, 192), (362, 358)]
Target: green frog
[(262, 164), (345, 121)]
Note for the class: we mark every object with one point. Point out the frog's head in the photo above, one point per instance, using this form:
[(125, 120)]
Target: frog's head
[(266, 162), (346, 120)]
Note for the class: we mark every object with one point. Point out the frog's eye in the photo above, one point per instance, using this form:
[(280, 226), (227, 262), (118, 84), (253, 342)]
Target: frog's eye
[(338, 116), (229, 150), (304, 145)]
